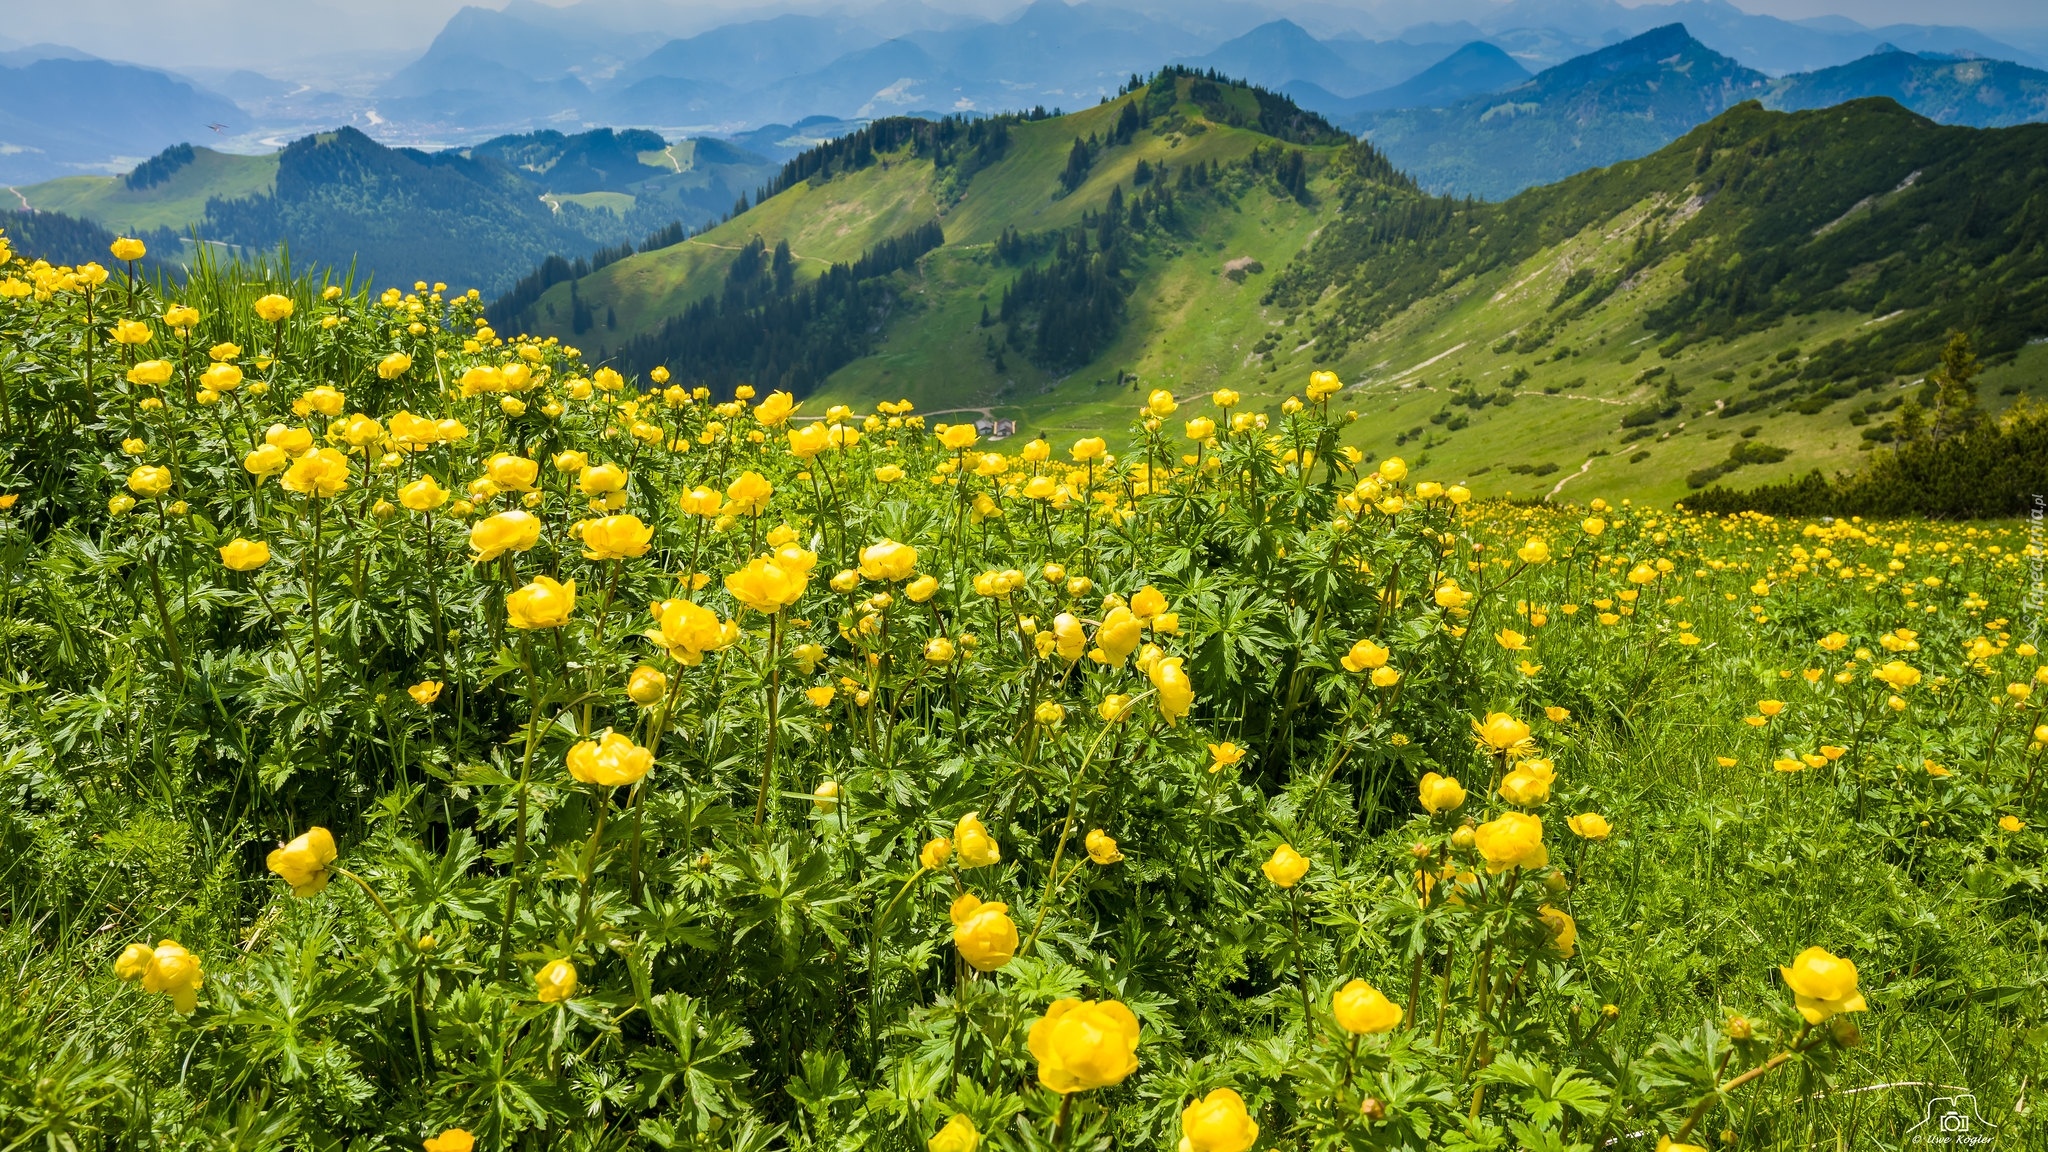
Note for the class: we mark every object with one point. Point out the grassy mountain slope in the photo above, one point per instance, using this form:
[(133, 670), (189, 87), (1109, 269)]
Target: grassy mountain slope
[(1535, 342), (1795, 275), (1752, 301), (486, 213), (178, 202), (837, 219), (833, 221)]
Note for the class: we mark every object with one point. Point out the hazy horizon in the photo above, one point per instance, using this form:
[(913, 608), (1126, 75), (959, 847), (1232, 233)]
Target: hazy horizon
[(381, 36)]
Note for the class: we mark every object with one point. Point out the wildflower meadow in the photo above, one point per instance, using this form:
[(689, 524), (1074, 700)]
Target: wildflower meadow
[(415, 737)]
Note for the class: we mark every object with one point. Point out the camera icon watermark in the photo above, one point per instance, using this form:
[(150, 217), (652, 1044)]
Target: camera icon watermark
[(1952, 1122)]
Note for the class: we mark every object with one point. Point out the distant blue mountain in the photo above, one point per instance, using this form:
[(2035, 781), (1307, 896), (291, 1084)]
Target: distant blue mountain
[(61, 117), (1621, 102), (1979, 93), (1476, 69)]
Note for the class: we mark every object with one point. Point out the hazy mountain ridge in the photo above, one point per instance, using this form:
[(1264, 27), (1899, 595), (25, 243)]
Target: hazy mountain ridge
[(483, 214), (1614, 104), (1974, 92), (600, 62)]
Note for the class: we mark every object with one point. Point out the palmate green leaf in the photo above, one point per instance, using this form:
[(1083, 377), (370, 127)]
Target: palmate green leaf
[(700, 1061), (281, 1010), (1548, 1093)]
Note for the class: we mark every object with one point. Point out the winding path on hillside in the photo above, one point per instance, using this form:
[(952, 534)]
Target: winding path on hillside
[(25, 205), (794, 254), (1559, 486)]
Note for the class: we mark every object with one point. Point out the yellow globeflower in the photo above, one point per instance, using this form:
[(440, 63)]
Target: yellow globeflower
[(1102, 847), (130, 332), (768, 584), (291, 441), (647, 685), (1285, 867), (149, 480), (1084, 1044), (958, 1135), (885, 559), (610, 761), (1590, 826), (1119, 634), (128, 248), (1822, 984), (935, 853), (1500, 732), (1393, 469), (1068, 638), (320, 473), (423, 495), (151, 372), (273, 308), (1176, 693), (512, 531), (512, 473), (241, 555), (1536, 551), (1219, 1122), (1899, 674), (451, 1140), (810, 440), (555, 982), (977, 848), (175, 972), (1089, 448), (616, 538), (749, 494), (1365, 655), (393, 366), (541, 604), (689, 630), (956, 437), (1441, 794), (984, 933), (1564, 931), (602, 479), (1528, 786), (1513, 841), (302, 863), (775, 410), (1363, 1010)]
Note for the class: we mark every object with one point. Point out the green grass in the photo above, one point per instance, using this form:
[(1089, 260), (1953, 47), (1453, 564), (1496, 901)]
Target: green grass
[(617, 203), (178, 203), (824, 224)]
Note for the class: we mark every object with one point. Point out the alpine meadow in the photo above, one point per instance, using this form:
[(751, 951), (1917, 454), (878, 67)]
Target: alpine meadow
[(1166, 626)]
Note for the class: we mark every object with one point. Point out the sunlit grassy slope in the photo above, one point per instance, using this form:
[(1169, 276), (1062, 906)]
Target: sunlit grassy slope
[(1553, 420), (831, 222), (178, 203)]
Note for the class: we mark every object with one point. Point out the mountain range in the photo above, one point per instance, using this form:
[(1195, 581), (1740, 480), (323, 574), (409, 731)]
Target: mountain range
[(1758, 296), (476, 216), (693, 72), (1632, 98)]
